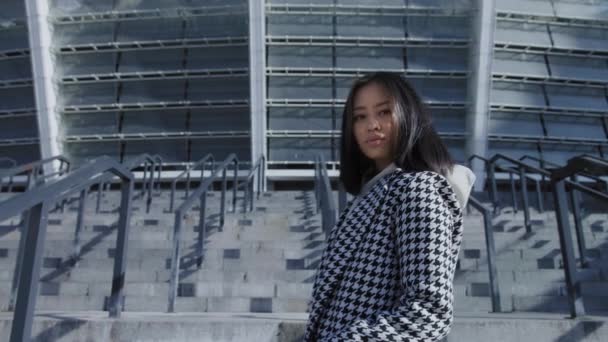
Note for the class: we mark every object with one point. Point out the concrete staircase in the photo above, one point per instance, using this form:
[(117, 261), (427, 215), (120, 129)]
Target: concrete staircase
[(264, 262)]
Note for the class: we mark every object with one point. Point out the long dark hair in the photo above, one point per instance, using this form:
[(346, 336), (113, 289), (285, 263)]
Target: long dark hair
[(417, 147)]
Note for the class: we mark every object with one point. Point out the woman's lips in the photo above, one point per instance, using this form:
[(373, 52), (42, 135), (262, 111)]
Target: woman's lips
[(375, 141)]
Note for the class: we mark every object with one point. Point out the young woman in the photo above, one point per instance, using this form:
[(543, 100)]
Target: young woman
[(388, 268)]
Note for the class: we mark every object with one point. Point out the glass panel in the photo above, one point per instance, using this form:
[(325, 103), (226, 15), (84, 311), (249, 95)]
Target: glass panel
[(579, 68), (577, 98), (370, 26), (220, 119), (299, 88), (221, 148), (515, 124), (300, 56), (436, 59), (522, 33), (525, 7), (369, 58), (516, 94), (300, 118), (299, 25), (291, 149), (519, 64), (154, 121), (438, 27), (579, 37), (91, 123), (575, 127)]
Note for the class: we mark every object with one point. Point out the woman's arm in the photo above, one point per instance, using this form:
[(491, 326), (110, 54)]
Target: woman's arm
[(424, 230)]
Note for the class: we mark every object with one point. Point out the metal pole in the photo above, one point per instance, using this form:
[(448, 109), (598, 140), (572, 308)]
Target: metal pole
[(120, 256), (491, 253), (541, 208), (513, 197), (524, 196), (29, 278), (79, 223), (578, 225), (493, 188), (575, 299), (234, 182), (223, 201), (175, 261), (201, 230), (25, 219)]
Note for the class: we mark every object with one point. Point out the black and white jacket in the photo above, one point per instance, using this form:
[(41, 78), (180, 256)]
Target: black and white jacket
[(387, 271)]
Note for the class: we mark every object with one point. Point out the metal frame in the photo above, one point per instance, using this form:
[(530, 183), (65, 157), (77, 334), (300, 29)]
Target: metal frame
[(490, 252), (350, 72), (366, 41), (17, 53), (364, 10), (152, 45), (167, 105), (155, 136), (16, 83), (147, 14), (559, 180), (150, 164), (34, 172), (284, 102), (200, 194), (38, 202), (323, 195), (187, 173), (548, 80), (543, 49), (10, 161), (550, 20), (248, 184), (154, 75)]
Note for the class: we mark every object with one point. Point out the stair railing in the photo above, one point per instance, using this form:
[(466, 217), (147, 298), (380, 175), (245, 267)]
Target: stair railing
[(200, 194), (490, 251), (37, 202), (150, 164), (559, 183), (34, 172), (187, 173), (258, 167)]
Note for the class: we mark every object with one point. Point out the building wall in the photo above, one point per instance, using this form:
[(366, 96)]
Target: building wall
[(172, 77)]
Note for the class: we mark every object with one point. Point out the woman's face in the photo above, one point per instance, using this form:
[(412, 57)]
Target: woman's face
[(374, 124)]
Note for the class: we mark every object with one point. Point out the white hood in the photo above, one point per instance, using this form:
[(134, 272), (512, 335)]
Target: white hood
[(461, 179)]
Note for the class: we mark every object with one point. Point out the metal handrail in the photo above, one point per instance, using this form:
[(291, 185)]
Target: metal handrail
[(541, 161), (249, 181), (38, 202), (559, 180), (149, 162), (323, 194), (572, 184), (199, 194), (203, 161), (490, 251), (33, 172), (491, 167)]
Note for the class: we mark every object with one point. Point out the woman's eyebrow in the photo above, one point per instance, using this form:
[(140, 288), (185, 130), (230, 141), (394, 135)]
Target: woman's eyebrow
[(375, 106), (381, 103)]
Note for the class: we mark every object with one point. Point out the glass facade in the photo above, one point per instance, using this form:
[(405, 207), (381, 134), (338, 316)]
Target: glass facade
[(174, 77)]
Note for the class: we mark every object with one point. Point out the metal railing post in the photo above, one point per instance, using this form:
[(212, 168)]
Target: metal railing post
[(223, 201), (524, 197), (513, 197), (23, 226), (490, 251), (30, 274), (79, 226), (120, 256), (201, 230), (578, 226), (174, 281), (575, 299)]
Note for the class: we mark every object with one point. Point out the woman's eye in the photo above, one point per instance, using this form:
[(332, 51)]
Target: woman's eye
[(357, 117), (385, 112)]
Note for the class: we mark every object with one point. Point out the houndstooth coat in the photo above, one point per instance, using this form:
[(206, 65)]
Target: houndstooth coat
[(387, 271)]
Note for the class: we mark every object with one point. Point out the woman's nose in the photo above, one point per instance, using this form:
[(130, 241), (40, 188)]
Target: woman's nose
[(373, 124)]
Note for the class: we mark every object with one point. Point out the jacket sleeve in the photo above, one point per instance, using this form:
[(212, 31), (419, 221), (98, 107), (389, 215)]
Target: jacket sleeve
[(427, 260)]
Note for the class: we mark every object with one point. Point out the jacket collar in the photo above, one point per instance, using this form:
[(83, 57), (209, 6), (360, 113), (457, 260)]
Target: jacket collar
[(370, 184)]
